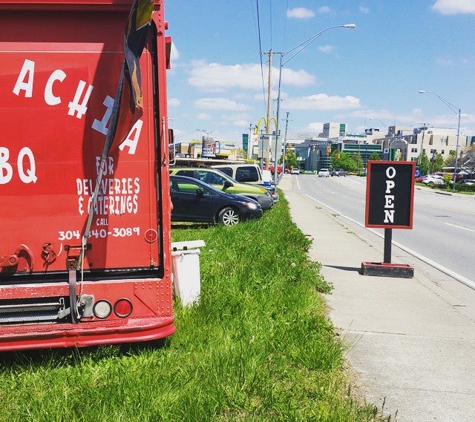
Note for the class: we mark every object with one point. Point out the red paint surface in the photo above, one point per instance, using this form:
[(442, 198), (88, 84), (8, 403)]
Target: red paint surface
[(49, 149)]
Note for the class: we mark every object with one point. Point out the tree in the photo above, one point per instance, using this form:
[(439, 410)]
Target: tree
[(359, 161), (342, 160), (374, 156), (424, 163), (438, 163), (290, 159), (450, 160)]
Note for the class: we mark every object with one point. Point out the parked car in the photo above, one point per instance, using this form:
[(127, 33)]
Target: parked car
[(227, 184), (243, 173), (338, 172), (324, 173), (466, 182), (433, 180), (279, 169), (268, 179), (294, 170), (250, 173), (195, 201)]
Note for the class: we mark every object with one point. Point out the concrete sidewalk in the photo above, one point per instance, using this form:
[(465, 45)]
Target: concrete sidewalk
[(410, 341)]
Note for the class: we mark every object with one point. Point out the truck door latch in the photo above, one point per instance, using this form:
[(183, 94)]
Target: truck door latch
[(48, 254)]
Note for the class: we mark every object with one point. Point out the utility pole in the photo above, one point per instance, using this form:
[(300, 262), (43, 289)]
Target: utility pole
[(422, 142), (285, 142), (249, 142), (269, 92)]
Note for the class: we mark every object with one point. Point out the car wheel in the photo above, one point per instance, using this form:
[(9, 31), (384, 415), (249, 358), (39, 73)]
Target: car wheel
[(229, 216)]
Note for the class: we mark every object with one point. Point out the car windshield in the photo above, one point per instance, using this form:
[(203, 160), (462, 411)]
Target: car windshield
[(178, 184), (215, 177)]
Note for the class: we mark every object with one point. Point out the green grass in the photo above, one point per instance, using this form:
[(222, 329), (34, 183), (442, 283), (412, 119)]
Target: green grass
[(256, 347)]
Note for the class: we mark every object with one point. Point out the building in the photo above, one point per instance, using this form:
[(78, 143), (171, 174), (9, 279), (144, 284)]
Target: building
[(207, 148), (315, 153), (407, 144), (334, 130), (432, 141), (400, 143)]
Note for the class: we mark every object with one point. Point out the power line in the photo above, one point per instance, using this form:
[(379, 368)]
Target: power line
[(260, 55), (285, 25)]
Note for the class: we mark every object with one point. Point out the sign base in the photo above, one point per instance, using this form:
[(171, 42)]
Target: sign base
[(383, 269)]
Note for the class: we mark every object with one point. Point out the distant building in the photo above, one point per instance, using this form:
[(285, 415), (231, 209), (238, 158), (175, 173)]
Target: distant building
[(333, 130), (207, 148), (405, 143), (400, 143)]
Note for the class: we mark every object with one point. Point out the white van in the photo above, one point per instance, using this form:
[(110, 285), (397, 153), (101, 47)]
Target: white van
[(250, 173)]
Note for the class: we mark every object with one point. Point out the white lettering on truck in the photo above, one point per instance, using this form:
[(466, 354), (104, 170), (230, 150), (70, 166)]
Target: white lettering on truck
[(78, 106), (26, 166), (116, 196)]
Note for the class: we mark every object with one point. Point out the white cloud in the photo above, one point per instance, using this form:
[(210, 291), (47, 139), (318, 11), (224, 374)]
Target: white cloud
[(323, 9), (295, 77), (325, 48), (453, 7), (244, 123), (238, 116), (203, 116), (300, 13), (219, 104), (316, 126), (323, 102), (364, 9), (384, 118), (174, 102), (217, 77)]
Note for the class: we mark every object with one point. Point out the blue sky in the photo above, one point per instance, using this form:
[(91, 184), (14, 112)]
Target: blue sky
[(369, 76)]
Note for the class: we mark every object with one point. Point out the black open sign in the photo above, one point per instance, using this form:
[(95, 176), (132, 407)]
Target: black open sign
[(390, 194)]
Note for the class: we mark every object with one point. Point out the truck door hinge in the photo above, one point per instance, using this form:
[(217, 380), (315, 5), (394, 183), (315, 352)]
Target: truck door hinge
[(20, 261)]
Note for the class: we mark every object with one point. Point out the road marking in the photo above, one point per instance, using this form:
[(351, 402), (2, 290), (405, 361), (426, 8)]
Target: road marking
[(298, 184), (459, 227)]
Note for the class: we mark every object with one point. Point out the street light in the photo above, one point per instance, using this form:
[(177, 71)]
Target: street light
[(456, 111), (299, 48), (203, 131)]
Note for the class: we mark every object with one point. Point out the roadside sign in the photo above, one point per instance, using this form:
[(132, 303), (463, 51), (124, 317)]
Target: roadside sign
[(390, 194), (245, 142)]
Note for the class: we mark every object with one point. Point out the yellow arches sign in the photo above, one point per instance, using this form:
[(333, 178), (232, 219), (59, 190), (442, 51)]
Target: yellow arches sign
[(263, 120)]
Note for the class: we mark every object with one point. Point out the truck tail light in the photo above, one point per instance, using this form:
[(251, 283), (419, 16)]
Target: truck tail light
[(102, 309), (123, 308)]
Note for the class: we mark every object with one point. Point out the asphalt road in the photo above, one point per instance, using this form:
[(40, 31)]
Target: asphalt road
[(444, 225)]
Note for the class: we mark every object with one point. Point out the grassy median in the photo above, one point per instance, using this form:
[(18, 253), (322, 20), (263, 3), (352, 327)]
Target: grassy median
[(257, 347)]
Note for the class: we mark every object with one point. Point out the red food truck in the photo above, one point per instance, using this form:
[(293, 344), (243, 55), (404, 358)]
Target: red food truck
[(85, 252)]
